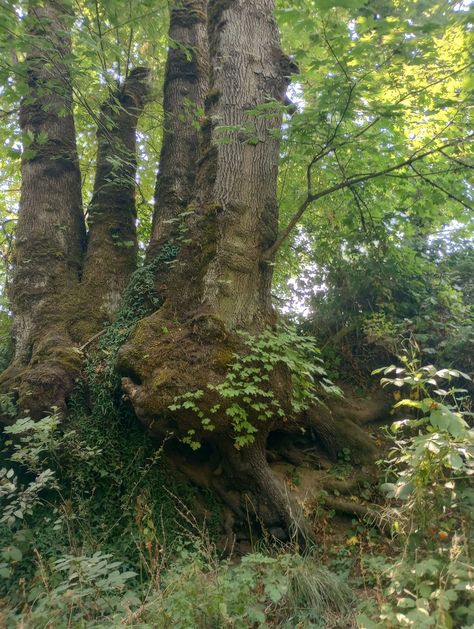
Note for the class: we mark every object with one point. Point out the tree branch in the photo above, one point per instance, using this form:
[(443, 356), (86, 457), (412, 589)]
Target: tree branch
[(347, 183), (449, 194)]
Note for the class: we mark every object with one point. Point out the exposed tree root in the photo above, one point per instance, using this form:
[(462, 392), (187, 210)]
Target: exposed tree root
[(351, 508), (261, 494), (255, 484), (247, 486), (337, 432)]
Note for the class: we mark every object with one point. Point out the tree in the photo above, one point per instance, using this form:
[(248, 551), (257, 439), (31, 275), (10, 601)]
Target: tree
[(50, 238), (220, 284), (54, 309), (214, 237)]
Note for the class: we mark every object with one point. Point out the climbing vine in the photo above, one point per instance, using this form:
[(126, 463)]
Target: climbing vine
[(139, 300), (247, 392)]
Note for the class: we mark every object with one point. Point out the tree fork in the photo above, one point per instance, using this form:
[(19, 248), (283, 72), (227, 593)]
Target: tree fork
[(54, 311), (218, 285)]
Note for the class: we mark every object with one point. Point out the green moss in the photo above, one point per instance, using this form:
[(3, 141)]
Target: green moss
[(223, 357), (162, 376)]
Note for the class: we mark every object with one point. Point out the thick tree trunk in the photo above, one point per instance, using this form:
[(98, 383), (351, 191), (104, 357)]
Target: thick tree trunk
[(219, 284), (112, 238), (235, 210), (185, 89), (50, 235), (215, 202), (58, 301)]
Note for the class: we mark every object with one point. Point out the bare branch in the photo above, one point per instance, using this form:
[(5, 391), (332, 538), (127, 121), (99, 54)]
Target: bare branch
[(458, 161)]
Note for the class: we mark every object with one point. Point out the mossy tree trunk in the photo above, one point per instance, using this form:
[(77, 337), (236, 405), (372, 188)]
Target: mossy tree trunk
[(50, 236), (112, 244), (185, 89), (221, 282), (67, 282), (220, 285), (215, 200)]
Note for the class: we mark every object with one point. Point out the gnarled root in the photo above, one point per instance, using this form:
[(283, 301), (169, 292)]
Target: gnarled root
[(336, 432), (246, 485), (44, 381), (261, 494)]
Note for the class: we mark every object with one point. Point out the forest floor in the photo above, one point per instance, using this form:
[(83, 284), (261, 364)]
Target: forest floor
[(124, 539)]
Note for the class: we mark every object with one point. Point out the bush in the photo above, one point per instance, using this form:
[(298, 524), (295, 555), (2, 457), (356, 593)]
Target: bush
[(430, 469), (281, 591)]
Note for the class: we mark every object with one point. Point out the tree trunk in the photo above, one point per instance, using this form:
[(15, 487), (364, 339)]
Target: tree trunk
[(215, 202), (219, 284), (185, 89), (50, 235), (58, 300), (112, 238)]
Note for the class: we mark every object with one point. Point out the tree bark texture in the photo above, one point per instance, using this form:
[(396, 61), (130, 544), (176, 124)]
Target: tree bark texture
[(235, 210), (112, 238), (50, 237), (57, 301), (215, 202), (219, 285), (185, 89)]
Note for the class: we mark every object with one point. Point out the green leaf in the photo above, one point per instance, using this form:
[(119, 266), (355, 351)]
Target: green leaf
[(454, 460)]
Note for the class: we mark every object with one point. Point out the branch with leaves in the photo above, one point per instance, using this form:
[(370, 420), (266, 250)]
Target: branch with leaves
[(358, 179)]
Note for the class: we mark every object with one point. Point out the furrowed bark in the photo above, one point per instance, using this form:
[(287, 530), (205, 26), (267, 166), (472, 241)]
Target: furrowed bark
[(60, 300), (112, 238), (50, 235), (185, 89), (218, 284), (235, 208)]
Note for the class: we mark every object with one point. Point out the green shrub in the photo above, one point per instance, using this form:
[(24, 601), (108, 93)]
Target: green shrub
[(430, 469), (285, 590)]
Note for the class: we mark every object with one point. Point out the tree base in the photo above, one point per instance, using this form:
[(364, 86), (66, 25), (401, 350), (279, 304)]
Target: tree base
[(270, 487)]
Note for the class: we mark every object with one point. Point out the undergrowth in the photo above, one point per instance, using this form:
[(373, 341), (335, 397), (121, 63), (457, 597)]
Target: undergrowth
[(95, 531), (109, 540), (427, 579)]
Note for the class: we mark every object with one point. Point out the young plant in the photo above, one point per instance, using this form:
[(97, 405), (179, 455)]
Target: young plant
[(431, 466), (246, 392), (433, 450)]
